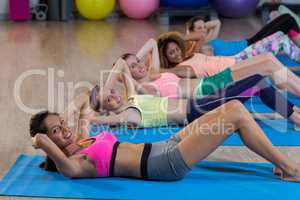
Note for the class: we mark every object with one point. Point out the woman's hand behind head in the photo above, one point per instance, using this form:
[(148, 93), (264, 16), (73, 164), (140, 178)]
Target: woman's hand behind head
[(38, 140)]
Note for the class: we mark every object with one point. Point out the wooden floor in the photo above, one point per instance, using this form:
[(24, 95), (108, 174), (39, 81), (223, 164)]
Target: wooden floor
[(76, 53)]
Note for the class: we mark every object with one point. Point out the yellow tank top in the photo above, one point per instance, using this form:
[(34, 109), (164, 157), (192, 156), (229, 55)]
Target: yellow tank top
[(153, 109)]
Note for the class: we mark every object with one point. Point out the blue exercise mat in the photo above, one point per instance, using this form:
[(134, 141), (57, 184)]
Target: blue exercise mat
[(207, 180), (287, 61), (280, 132)]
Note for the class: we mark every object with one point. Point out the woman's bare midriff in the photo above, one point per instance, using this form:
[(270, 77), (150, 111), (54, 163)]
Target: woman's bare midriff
[(128, 160)]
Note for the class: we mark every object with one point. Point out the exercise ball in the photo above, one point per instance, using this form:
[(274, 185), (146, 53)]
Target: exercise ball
[(235, 8), (95, 9), (184, 3), (138, 9)]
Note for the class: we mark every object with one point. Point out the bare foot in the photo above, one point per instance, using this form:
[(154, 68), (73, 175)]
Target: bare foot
[(293, 176), (277, 171), (296, 109), (297, 127), (291, 179)]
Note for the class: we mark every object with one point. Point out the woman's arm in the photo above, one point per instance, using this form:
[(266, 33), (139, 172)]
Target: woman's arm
[(183, 71), (115, 73), (213, 27), (69, 167), (131, 85), (194, 36), (73, 112), (129, 117), (121, 68), (150, 48), (111, 120), (138, 87)]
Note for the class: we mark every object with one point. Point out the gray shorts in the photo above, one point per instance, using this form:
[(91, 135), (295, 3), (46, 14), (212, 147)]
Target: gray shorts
[(165, 162)]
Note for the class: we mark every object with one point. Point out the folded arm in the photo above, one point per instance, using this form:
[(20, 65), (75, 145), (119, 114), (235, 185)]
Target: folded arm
[(129, 117), (183, 71), (194, 36), (150, 48), (69, 167), (72, 114), (213, 27), (132, 86)]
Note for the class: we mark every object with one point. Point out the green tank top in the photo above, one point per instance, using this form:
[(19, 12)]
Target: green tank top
[(153, 109)]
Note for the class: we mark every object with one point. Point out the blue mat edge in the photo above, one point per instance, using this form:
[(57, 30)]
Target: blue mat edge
[(260, 167)]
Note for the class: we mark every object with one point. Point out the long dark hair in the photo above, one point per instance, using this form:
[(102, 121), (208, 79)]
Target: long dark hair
[(37, 125), (162, 43)]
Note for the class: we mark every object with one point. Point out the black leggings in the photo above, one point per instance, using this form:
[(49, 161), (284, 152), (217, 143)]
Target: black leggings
[(269, 95), (283, 23)]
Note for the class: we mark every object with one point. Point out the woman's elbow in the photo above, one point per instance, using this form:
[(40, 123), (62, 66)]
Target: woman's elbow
[(152, 40), (187, 73), (71, 174)]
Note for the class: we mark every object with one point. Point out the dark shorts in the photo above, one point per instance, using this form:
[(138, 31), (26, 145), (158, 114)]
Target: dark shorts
[(165, 162)]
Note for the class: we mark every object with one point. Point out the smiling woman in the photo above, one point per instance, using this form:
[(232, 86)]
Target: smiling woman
[(174, 58), (104, 156), (59, 132)]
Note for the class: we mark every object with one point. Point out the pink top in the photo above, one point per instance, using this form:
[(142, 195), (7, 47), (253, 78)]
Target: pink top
[(167, 85), (102, 153), (205, 66), (293, 34)]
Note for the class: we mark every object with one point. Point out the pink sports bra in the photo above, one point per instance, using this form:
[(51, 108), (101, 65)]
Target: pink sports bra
[(205, 66), (167, 85), (103, 153)]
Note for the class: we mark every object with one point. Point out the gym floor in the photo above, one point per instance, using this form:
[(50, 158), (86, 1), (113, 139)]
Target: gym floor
[(79, 49)]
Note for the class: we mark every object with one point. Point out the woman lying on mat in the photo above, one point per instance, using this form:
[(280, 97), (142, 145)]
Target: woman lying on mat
[(277, 43), (199, 32), (266, 65), (153, 111), (169, 160)]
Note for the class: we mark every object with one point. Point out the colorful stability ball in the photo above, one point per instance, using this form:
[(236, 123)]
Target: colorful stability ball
[(139, 9), (184, 3), (95, 9), (235, 8)]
